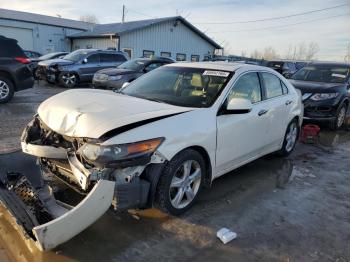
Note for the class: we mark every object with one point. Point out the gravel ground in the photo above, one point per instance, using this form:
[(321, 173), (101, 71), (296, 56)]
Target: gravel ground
[(294, 209)]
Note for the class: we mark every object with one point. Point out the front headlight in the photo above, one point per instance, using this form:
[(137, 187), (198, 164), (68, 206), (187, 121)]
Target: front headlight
[(115, 78), (323, 96), (114, 153)]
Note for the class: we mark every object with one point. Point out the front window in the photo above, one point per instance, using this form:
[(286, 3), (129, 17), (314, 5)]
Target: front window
[(135, 65), (189, 87), (76, 56), (248, 87), (323, 73)]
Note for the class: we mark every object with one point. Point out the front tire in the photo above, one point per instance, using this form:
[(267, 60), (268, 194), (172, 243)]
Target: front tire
[(6, 90), (68, 80), (339, 120), (290, 138), (181, 182)]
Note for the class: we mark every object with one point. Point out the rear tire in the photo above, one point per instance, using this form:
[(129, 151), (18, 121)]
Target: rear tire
[(68, 80), (6, 89), (290, 138), (180, 183), (339, 120)]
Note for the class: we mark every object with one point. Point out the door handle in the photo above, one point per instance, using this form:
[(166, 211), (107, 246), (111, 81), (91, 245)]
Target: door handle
[(262, 112), (288, 102)]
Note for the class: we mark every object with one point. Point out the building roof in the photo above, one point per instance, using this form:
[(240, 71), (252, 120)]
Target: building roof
[(43, 19), (120, 28)]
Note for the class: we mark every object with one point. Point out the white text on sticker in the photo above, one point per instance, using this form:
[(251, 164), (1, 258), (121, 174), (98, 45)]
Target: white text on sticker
[(216, 73)]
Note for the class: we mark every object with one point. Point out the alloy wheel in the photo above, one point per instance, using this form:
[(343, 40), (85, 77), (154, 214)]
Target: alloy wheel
[(69, 79), (185, 184), (341, 117), (4, 89), (291, 136)]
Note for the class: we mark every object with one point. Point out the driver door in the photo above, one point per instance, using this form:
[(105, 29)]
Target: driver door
[(241, 136), (89, 68)]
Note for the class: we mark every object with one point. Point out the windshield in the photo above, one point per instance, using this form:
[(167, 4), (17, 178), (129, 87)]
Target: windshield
[(135, 65), (323, 73), (48, 56), (76, 56), (181, 86)]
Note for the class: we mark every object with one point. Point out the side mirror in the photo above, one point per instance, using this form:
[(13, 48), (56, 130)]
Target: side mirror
[(239, 106), (85, 61), (125, 84)]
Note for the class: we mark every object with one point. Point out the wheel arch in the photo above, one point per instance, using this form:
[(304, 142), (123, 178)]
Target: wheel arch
[(9, 76)]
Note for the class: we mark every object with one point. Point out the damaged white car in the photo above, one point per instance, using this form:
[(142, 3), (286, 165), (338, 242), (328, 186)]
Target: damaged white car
[(157, 142)]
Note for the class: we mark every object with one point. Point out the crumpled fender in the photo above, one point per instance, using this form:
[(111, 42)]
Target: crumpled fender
[(65, 227)]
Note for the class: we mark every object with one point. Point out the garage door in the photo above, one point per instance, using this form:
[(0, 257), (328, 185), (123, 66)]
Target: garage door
[(24, 36), (99, 43)]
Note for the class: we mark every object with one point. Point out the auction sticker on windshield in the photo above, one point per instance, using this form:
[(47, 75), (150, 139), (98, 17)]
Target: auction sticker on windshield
[(216, 73)]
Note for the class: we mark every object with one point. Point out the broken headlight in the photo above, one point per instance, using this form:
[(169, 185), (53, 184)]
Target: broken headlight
[(113, 153)]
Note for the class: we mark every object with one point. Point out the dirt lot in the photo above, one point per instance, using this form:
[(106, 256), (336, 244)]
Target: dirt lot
[(295, 209)]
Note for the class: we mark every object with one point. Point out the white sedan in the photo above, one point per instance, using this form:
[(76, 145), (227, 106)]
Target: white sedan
[(159, 140)]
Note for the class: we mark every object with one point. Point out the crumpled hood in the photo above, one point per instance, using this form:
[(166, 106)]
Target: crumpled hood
[(57, 61), (92, 112), (315, 87), (116, 71)]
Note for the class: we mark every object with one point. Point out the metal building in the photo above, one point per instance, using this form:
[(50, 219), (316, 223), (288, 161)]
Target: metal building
[(171, 37), (39, 33)]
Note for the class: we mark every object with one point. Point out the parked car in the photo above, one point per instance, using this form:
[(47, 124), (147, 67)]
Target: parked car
[(114, 78), (32, 54), (34, 61), (285, 68), (159, 140), (79, 66), (326, 91), (14, 72)]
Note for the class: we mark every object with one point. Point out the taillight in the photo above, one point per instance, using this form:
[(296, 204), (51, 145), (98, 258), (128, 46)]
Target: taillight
[(22, 60)]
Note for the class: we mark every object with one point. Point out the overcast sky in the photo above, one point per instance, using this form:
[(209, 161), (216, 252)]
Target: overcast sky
[(331, 30)]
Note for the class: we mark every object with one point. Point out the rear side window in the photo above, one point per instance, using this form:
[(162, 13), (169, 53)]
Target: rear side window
[(109, 58), (248, 87), (95, 58), (9, 48), (273, 86)]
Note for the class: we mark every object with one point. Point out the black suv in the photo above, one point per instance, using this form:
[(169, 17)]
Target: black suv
[(15, 74), (114, 78), (79, 66), (325, 87), (285, 68)]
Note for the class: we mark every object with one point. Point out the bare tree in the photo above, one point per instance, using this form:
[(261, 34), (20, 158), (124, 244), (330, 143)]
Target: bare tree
[(256, 54), (270, 53), (311, 51), (89, 18), (347, 56)]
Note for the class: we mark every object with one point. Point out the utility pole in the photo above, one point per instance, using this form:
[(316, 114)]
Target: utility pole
[(123, 17)]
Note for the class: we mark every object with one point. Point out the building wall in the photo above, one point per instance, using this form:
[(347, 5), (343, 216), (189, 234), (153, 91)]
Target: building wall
[(166, 37), (102, 43), (45, 38)]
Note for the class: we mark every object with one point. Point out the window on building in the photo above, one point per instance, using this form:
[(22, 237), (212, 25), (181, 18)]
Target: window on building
[(195, 58), (148, 53), (272, 84), (165, 54), (180, 57), (128, 51)]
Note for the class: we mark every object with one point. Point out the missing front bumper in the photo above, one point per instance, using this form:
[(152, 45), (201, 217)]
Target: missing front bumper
[(46, 221)]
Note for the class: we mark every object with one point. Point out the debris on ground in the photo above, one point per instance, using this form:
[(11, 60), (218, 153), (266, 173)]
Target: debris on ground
[(226, 235)]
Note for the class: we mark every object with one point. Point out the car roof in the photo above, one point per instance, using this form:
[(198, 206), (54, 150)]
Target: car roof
[(224, 66), (330, 64)]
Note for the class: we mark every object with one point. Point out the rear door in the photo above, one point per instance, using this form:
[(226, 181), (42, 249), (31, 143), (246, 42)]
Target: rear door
[(240, 137), (111, 60), (278, 104), (89, 68)]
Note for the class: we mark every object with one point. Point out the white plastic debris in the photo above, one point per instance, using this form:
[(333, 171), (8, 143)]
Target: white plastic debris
[(226, 235)]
